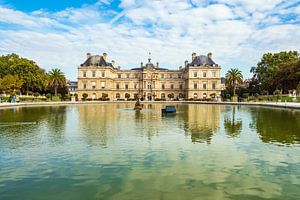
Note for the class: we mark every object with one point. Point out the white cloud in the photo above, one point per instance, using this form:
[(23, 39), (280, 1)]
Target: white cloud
[(237, 32)]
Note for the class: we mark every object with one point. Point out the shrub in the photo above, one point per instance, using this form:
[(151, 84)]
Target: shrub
[(256, 95), (68, 97), (48, 96), (55, 98), (127, 95), (84, 96), (245, 95), (36, 94)]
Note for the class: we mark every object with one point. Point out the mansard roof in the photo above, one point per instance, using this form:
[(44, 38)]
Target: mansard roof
[(96, 60), (202, 61)]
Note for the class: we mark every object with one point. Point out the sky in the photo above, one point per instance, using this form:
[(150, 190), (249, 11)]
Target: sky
[(59, 33)]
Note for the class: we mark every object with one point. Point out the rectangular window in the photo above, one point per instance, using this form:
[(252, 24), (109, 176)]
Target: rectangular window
[(102, 85), (117, 86), (213, 74), (84, 86), (127, 75), (163, 86), (93, 74), (213, 86), (195, 74), (204, 85), (204, 74), (162, 76), (119, 75), (102, 74), (126, 86), (195, 85), (84, 74), (93, 85), (179, 75), (172, 86), (180, 86), (135, 86)]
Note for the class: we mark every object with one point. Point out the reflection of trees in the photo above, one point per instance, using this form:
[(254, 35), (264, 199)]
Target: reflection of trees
[(277, 125), (56, 121), (232, 126)]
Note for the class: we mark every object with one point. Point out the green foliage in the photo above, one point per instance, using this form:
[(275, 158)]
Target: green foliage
[(10, 83), (32, 76), (36, 94), (233, 78), (56, 98), (84, 96), (48, 96), (278, 70), (127, 95), (56, 79), (171, 96)]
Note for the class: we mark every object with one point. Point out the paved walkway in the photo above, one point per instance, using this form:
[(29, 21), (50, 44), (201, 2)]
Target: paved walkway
[(269, 104)]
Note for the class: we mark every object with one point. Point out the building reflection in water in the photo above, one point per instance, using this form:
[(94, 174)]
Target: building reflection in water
[(201, 122), (276, 125)]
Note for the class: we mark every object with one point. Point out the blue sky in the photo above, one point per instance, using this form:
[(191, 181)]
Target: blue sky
[(58, 34)]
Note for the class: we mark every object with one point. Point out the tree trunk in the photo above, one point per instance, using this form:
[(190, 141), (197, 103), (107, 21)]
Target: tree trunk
[(55, 90), (234, 89)]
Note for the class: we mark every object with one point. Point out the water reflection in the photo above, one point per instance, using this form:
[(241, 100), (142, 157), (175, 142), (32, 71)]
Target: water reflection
[(201, 122), (232, 126), (110, 151), (277, 125)]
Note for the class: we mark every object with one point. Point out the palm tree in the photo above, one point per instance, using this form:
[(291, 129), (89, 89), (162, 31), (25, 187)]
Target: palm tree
[(56, 79), (233, 78)]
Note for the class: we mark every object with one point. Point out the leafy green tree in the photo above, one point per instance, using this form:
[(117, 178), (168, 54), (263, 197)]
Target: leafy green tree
[(56, 79), (277, 71), (32, 75), (85, 96), (10, 83), (233, 78)]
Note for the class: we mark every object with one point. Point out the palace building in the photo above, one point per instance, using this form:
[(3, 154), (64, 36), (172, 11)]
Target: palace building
[(198, 79)]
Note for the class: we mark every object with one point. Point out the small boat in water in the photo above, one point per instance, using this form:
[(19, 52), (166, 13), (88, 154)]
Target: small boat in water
[(168, 110)]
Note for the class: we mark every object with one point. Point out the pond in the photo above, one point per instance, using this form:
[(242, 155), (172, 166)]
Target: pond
[(109, 151)]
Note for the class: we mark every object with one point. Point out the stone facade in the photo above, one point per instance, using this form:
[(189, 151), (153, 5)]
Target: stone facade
[(196, 80)]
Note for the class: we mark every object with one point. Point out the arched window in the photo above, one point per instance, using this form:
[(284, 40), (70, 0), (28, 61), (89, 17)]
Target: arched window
[(204, 95), (118, 96), (195, 95), (94, 96), (163, 95)]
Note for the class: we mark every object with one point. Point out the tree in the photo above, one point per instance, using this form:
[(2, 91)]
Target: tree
[(10, 83), (233, 78), (171, 96), (84, 96), (56, 79), (127, 95), (32, 75), (277, 71)]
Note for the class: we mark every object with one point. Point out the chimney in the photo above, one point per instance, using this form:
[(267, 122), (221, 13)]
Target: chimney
[(141, 64), (186, 63), (104, 56), (157, 64), (209, 55), (194, 56), (88, 55), (113, 63)]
